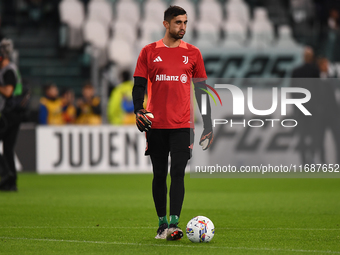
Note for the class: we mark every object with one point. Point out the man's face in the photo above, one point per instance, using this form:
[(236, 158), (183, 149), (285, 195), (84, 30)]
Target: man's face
[(178, 26), (52, 92), (68, 97), (323, 65), (88, 92)]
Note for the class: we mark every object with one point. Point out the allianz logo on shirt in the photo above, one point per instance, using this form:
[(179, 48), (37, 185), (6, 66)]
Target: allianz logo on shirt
[(164, 77)]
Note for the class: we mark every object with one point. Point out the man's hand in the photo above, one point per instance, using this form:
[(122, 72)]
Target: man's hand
[(206, 138), (142, 120), (7, 90)]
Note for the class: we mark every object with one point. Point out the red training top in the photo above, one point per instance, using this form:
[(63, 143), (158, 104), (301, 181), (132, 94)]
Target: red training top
[(169, 72)]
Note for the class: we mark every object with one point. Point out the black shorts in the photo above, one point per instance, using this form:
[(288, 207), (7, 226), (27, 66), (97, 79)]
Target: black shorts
[(163, 141)]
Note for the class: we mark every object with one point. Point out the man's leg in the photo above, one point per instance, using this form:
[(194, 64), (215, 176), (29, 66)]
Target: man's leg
[(180, 152), (9, 142), (157, 148), (159, 192), (179, 161), (159, 189), (6, 178)]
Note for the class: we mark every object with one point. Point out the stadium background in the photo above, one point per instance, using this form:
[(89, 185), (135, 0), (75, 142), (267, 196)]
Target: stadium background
[(114, 213), (69, 42)]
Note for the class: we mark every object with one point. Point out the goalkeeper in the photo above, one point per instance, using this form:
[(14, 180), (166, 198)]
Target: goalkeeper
[(166, 68)]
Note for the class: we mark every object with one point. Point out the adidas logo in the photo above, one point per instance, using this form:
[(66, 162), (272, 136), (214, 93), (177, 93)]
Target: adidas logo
[(158, 59)]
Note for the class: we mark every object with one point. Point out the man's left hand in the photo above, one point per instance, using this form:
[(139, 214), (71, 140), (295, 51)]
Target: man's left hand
[(206, 138)]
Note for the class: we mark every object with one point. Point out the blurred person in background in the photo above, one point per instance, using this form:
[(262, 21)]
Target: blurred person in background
[(35, 9), (310, 72), (303, 17), (120, 108), (11, 115), (333, 36), (88, 107), (69, 110), (327, 114), (51, 106)]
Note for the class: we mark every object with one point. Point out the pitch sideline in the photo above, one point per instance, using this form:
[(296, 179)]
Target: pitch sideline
[(168, 245)]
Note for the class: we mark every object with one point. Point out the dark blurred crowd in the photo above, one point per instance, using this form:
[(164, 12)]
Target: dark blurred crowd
[(313, 75)]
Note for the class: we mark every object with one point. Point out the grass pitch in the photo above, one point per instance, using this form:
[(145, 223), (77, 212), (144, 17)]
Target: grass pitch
[(114, 214)]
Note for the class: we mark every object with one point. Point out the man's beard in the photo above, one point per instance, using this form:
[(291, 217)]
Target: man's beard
[(176, 36)]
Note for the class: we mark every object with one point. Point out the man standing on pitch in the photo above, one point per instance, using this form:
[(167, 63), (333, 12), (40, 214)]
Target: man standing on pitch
[(11, 90), (166, 67)]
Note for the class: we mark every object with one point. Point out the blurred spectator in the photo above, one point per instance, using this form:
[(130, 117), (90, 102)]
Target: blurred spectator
[(69, 110), (35, 9), (88, 107), (11, 115), (120, 107), (306, 123), (51, 107), (308, 69), (333, 35), (327, 113), (303, 17), (333, 20)]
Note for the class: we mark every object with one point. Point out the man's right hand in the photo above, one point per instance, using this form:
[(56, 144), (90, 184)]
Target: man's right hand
[(142, 120)]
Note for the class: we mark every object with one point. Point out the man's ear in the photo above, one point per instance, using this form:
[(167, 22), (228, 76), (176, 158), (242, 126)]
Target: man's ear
[(166, 24)]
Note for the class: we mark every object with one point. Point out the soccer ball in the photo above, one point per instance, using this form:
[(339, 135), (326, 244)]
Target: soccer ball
[(200, 229)]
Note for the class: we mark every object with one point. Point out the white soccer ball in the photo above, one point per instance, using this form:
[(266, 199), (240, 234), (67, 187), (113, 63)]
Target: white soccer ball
[(200, 229)]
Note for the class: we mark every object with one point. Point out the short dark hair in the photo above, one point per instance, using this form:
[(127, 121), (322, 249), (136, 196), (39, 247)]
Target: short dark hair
[(87, 85), (64, 91), (173, 11), (48, 85), (6, 48)]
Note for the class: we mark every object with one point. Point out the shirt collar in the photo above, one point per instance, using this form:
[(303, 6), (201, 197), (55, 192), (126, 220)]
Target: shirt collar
[(160, 44)]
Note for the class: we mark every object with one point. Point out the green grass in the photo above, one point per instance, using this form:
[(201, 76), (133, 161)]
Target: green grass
[(114, 214)]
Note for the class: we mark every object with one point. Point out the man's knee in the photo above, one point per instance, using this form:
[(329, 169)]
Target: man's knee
[(178, 164)]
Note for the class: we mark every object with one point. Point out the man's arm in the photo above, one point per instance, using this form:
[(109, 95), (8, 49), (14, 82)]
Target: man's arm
[(9, 81), (7, 90), (138, 92), (198, 93), (142, 116), (207, 135), (140, 81), (43, 114), (96, 108)]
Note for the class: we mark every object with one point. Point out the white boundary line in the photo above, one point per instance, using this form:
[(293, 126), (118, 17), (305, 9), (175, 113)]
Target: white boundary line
[(307, 229), (100, 227), (169, 245)]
